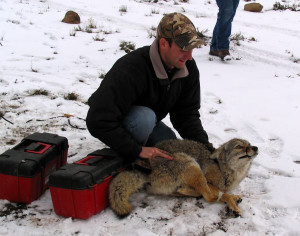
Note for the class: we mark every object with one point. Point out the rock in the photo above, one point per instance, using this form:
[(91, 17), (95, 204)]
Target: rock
[(253, 7), (71, 17)]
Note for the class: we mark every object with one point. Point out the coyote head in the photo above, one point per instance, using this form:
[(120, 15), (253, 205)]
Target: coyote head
[(236, 154)]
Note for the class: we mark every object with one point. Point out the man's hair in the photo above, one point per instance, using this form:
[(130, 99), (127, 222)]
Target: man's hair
[(170, 41)]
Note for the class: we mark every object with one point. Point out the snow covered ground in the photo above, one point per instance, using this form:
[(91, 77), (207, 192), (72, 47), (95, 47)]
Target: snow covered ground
[(255, 96)]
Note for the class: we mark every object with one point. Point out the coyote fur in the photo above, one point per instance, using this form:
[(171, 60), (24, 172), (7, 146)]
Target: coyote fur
[(194, 172)]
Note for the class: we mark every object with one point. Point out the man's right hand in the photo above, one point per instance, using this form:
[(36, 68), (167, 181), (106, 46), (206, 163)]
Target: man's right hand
[(152, 152)]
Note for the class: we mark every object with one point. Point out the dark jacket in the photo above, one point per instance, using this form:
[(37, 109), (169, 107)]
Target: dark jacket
[(139, 78)]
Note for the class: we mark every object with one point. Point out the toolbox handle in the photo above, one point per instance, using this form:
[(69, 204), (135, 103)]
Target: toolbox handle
[(85, 160), (31, 148)]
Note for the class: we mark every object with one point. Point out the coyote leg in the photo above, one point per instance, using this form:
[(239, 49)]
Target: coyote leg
[(230, 200), (195, 179), (187, 191)]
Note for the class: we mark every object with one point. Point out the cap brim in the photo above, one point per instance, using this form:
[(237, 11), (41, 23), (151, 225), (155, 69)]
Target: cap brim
[(187, 45)]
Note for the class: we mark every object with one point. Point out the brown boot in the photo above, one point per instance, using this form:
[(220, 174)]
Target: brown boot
[(224, 54), (214, 52)]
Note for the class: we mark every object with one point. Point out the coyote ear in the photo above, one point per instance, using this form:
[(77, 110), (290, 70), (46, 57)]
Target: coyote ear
[(218, 154)]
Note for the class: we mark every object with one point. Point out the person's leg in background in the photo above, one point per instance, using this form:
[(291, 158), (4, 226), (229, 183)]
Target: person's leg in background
[(222, 31)]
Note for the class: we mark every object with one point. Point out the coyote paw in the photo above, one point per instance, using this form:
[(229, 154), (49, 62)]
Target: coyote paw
[(237, 213), (234, 211), (239, 201), (230, 213), (237, 198)]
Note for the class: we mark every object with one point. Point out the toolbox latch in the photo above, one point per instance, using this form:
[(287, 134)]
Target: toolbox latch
[(37, 148), (89, 160)]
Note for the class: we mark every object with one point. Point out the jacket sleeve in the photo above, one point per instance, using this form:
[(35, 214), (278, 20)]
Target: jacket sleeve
[(185, 115), (109, 105)]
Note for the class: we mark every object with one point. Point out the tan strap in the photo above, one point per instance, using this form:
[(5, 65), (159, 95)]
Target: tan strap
[(220, 195)]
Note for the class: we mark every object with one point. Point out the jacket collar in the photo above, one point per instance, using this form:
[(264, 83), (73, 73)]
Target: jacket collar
[(159, 67)]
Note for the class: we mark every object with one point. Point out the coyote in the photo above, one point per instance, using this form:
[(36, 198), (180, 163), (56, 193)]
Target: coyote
[(194, 172)]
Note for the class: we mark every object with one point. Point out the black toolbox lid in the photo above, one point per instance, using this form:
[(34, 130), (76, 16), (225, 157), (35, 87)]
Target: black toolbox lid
[(53, 139), (88, 171), (32, 154)]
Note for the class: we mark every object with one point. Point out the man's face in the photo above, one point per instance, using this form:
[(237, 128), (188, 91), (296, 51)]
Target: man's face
[(174, 56)]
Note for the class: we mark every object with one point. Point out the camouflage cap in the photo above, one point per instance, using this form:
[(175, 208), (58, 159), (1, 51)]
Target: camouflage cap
[(180, 29)]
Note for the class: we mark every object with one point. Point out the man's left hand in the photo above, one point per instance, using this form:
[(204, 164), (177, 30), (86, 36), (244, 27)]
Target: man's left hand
[(152, 152)]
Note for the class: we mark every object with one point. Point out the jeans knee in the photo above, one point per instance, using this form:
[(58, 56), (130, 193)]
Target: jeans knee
[(147, 117), (140, 122), (226, 15)]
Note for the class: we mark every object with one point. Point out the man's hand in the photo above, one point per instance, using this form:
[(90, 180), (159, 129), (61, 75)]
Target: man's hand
[(152, 152)]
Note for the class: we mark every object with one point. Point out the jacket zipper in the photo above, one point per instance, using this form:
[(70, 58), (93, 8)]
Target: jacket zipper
[(168, 87)]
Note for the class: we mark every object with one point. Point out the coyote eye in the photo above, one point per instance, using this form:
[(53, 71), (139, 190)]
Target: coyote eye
[(239, 147)]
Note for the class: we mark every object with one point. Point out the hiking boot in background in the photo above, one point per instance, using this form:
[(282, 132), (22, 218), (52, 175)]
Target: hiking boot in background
[(224, 55), (214, 52)]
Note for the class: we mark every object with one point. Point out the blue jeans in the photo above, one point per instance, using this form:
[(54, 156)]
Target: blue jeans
[(141, 122), (222, 30)]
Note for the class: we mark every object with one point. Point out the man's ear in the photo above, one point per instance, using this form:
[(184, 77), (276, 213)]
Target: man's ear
[(163, 43)]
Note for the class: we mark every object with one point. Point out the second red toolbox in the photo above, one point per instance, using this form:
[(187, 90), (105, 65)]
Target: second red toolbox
[(25, 169), (80, 190)]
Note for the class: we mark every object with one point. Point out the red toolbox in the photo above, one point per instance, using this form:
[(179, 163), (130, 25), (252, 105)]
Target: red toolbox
[(25, 169), (80, 190)]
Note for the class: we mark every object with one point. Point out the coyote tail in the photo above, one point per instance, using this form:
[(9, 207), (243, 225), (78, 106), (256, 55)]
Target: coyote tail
[(120, 189)]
